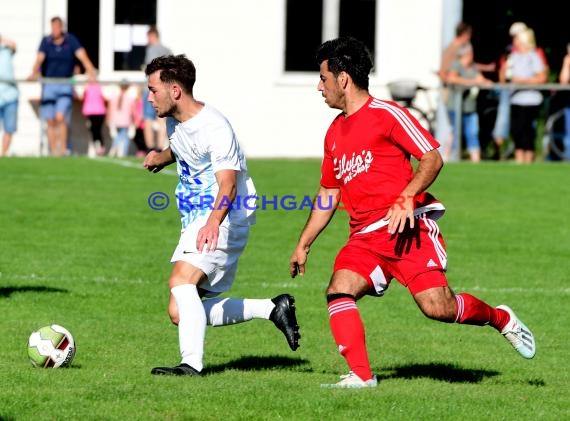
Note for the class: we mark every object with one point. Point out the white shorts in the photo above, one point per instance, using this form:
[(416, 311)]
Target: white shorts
[(220, 266)]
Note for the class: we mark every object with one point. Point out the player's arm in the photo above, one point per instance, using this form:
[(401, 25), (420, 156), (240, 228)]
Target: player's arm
[(324, 206), (565, 70), (156, 161), (207, 238), (429, 166), (36, 68)]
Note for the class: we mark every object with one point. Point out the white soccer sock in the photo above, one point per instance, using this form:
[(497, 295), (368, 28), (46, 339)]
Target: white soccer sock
[(191, 324), (228, 311)]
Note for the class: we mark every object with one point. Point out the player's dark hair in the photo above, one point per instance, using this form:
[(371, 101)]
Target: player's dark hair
[(347, 54), (172, 69)]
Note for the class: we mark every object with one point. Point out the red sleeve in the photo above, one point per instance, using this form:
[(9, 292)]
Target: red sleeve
[(408, 133)]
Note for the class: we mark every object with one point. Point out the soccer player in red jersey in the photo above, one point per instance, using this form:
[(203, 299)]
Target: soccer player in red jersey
[(366, 169)]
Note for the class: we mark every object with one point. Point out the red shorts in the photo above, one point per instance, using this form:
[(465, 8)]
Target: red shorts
[(378, 257)]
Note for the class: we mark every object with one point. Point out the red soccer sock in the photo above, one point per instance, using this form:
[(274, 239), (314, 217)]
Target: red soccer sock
[(348, 331), (473, 311)]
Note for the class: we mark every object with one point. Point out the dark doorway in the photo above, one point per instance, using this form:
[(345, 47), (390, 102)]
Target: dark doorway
[(83, 22)]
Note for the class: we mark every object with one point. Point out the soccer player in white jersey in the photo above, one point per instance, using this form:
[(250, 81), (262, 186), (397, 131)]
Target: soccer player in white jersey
[(213, 176)]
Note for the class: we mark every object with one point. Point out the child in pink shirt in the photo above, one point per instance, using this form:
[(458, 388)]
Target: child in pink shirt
[(120, 117), (94, 109)]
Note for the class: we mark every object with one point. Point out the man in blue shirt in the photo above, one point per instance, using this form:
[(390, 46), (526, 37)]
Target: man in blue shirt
[(56, 59)]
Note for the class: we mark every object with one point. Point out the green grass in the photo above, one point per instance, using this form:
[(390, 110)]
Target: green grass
[(81, 247)]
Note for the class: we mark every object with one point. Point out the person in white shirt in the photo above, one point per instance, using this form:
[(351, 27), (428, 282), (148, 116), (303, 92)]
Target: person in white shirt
[(216, 199)]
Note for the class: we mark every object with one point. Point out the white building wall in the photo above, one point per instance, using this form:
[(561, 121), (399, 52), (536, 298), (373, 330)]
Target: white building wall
[(238, 48)]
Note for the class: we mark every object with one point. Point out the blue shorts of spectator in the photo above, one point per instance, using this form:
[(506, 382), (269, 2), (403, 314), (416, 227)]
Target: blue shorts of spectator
[(56, 98), (470, 126), (503, 121), (9, 117)]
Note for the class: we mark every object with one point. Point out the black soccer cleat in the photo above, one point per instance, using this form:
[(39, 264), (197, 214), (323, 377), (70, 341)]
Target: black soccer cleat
[(283, 315), (179, 370)]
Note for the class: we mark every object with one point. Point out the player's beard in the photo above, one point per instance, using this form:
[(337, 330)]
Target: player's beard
[(170, 110)]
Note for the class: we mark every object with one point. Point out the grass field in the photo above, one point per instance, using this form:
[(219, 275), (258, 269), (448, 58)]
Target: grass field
[(81, 247)]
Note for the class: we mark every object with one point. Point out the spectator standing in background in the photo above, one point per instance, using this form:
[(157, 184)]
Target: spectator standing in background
[(9, 94), (56, 59), (138, 139), (565, 80), (154, 127), (94, 109), (463, 33), (120, 118), (464, 72), (462, 40), (502, 126), (528, 68)]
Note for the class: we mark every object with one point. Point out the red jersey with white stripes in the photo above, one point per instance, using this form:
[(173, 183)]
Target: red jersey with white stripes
[(367, 155)]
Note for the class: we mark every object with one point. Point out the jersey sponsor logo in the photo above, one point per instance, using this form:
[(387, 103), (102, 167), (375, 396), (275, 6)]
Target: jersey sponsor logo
[(348, 168)]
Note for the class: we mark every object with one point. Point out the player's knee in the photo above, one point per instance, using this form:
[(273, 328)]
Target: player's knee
[(347, 282), (437, 303), (440, 309), (173, 313), (439, 312)]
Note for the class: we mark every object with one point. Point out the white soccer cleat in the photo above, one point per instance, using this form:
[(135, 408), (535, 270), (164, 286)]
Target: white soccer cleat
[(520, 336), (352, 381)]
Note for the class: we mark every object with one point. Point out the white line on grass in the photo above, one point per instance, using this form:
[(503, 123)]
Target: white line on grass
[(516, 290), (104, 279), (130, 164), (43, 278)]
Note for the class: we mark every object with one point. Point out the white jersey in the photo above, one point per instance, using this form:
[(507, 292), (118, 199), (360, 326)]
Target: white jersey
[(204, 145)]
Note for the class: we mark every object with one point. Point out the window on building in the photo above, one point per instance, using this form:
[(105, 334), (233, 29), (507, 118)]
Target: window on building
[(358, 19), (132, 20), (303, 34), (309, 23)]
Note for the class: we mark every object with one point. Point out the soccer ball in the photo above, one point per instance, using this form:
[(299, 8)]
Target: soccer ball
[(51, 347)]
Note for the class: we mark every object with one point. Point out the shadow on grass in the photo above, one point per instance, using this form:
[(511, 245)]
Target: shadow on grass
[(437, 371), (7, 291), (251, 363)]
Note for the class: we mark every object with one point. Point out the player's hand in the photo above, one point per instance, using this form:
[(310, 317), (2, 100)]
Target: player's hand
[(207, 239), (399, 214), (152, 162), (297, 261)]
